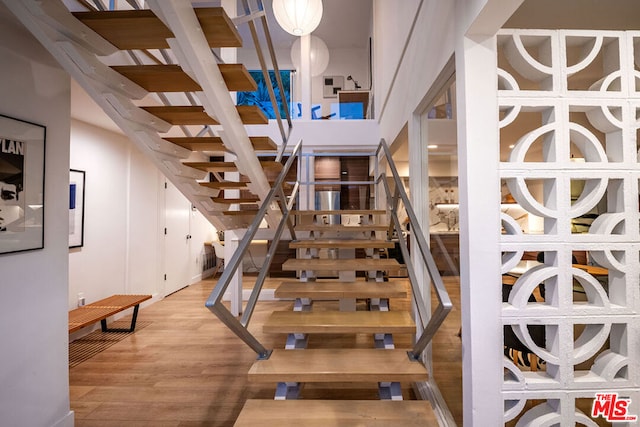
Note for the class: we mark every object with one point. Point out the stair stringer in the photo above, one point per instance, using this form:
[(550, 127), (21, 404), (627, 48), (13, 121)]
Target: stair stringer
[(68, 40), (201, 63)]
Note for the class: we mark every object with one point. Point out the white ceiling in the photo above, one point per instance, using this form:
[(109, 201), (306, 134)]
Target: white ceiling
[(344, 24)]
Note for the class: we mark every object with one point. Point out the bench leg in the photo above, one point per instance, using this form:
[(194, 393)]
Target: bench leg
[(103, 323)]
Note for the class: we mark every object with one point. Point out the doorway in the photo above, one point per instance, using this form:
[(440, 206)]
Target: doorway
[(177, 240)]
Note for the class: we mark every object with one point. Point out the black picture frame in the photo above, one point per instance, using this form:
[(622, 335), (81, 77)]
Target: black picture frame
[(76, 208), (22, 174)]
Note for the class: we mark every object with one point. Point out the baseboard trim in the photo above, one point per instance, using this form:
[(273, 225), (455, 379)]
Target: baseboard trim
[(66, 421), (430, 391)]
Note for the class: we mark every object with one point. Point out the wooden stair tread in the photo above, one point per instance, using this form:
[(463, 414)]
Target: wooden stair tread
[(340, 227), (357, 264), (171, 78), (230, 166), (340, 212), (195, 115), (233, 201), (340, 322), (225, 185), (336, 413), (341, 243), (142, 29), (234, 185), (336, 289), (247, 212), (337, 365), (215, 144)]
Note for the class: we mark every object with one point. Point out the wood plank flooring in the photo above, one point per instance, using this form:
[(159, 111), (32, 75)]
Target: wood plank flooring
[(186, 369)]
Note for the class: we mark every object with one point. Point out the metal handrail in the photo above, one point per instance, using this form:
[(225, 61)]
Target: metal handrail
[(214, 302), (430, 322), (265, 71)]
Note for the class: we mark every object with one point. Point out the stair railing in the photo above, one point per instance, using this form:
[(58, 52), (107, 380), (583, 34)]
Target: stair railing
[(430, 322), (252, 17), (214, 302)]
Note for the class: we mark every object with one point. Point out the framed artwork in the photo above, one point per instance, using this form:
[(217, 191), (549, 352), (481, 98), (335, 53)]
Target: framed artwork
[(331, 85), (76, 208), (22, 148)]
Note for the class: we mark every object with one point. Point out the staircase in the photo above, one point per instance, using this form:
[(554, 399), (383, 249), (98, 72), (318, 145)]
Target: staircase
[(157, 76), (338, 309)]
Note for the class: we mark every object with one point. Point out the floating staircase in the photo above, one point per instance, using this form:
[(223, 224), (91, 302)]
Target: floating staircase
[(156, 76), (154, 73), (315, 312)]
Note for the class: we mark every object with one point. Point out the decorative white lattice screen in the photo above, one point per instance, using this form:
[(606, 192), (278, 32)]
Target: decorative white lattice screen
[(569, 124)]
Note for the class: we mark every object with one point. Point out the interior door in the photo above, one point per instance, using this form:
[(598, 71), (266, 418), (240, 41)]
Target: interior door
[(177, 240)]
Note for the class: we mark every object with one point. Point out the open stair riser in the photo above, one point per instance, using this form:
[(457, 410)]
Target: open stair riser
[(315, 313), (338, 365), (340, 322)]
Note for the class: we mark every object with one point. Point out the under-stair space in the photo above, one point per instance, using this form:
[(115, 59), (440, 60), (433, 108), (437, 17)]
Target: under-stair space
[(158, 75)]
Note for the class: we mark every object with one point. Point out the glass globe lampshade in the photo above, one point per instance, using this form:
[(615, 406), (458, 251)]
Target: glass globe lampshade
[(319, 55), (298, 17)]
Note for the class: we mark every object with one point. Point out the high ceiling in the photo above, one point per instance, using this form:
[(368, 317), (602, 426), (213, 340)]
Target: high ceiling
[(345, 24)]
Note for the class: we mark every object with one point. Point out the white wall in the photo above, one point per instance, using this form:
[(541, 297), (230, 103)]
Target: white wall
[(428, 50), (123, 249), (34, 387), (121, 252)]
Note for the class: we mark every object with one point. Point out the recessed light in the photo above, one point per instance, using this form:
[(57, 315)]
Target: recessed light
[(432, 146), (512, 145)]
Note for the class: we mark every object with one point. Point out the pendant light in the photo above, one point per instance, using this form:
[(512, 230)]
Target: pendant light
[(319, 55), (298, 17)]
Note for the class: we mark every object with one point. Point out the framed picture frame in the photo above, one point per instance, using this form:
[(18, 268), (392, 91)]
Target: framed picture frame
[(76, 208), (22, 162), (331, 85)]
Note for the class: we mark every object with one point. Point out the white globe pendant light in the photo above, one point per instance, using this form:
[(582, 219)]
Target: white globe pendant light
[(298, 17), (319, 53)]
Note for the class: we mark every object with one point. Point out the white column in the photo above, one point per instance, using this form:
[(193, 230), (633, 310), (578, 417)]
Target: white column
[(305, 75), (479, 184), (306, 194), (235, 285), (230, 56), (419, 194)]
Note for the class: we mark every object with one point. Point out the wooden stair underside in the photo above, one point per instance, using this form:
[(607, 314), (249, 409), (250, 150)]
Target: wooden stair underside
[(235, 200), (171, 78), (339, 227), (225, 185), (336, 413), (215, 144), (230, 166), (359, 264), (337, 365), (142, 29), (341, 243), (335, 289), (195, 115), (340, 322), (339, 212)]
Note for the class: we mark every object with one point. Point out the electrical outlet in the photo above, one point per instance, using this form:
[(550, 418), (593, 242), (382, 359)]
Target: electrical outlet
[(81, 299)]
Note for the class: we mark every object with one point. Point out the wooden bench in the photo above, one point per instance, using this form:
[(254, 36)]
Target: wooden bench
[(100, 310)]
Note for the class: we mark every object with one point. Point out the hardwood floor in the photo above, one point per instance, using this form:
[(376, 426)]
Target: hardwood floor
[(186, 369)]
